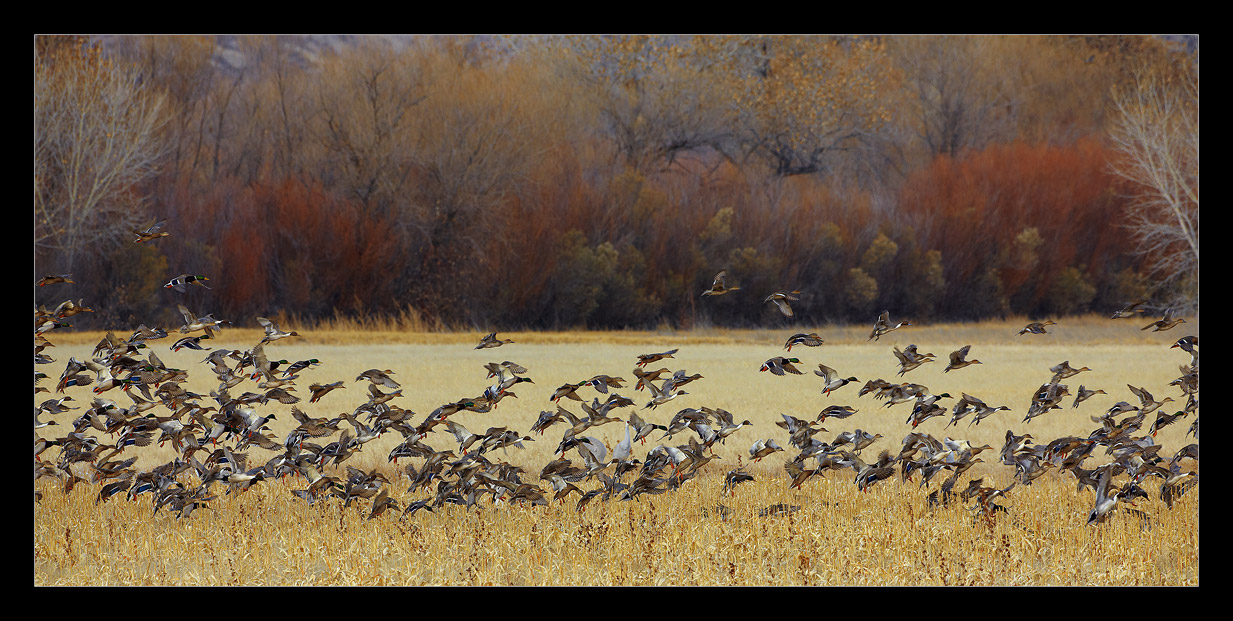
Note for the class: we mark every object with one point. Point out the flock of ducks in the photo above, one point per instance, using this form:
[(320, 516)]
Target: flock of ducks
[(222, 441)]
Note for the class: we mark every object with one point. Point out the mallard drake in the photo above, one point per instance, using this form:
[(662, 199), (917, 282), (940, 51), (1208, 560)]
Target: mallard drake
[(809, 340), (180, 283), (717, 287), (833, 381), (55, 280), (154, 231), (883, 325), (1164, 323), (1037, 327), (781, 299), (491, 340), (778, 365), (958, 359), (641, 427), (645, 359)]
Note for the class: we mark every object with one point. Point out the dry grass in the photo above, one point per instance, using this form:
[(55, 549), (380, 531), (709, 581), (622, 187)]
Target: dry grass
[(886, 536)]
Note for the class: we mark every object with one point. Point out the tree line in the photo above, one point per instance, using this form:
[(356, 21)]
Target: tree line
[(602, 182)]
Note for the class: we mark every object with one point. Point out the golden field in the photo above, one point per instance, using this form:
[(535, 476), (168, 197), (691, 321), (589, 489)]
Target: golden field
[(889, 535)]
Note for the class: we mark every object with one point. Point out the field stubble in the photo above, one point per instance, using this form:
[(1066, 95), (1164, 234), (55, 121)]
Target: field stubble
[(888, 535)]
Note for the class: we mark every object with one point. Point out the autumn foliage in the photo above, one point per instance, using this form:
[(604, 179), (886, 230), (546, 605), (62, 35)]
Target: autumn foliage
[(570, 182)]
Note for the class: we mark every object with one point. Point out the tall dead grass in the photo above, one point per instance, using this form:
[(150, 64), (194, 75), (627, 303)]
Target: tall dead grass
[(887, 536)]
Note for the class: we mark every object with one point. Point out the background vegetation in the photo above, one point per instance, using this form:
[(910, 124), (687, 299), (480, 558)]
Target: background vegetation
[(601, 182)]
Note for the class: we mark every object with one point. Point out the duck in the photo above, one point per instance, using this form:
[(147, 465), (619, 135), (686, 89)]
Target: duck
[(1163, 420), (859, 439), (381, 503), (1084, 394), (567, 391), (272, 332), (1148, 402), (1129, 311), (762, 448), (781, 299), (641, 427), (1168, 322), (191, 342), (192, 323), (809, 340), (778, 365), (883, 326), (603, 382), (835, 411), (727, 423), (379, 377), (833, 381), (733, 478), (1106, 499), (982, 410), (298, 366), (320, 390), (180, 283), (798, 473), (1188, 344), (958, 359), (56, 279), (491, 340), (869, 474), (645, 359), (717, 287), (910, 359), (68, 308), (1037, 327), (645, 377), (1063, 370), (922, 412), (663, 394), (502, 388), (151, 233)]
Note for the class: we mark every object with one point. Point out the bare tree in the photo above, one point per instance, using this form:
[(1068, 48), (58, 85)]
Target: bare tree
[(97, 134), (1156, 133), (655, 95), (366, 98)]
